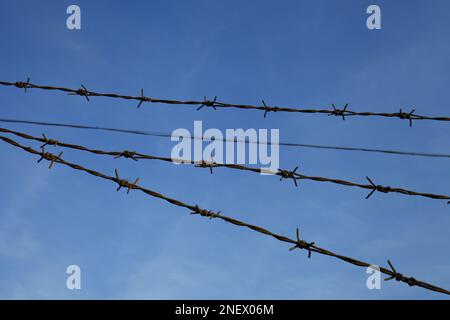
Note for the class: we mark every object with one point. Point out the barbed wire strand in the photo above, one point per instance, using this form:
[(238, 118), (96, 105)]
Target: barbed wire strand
[(284, 174), (286, 144), (298, 243), (214, 104)]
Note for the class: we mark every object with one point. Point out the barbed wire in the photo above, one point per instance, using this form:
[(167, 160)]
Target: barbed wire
[(297, 243), (169, 135), (283, 174), (214, 104)]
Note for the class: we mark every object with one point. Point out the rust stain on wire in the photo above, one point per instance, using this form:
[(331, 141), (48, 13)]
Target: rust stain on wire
[(283, 174), (345, 112), (195, 209)]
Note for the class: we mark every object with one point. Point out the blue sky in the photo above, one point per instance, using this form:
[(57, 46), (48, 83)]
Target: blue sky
[(293, 53)]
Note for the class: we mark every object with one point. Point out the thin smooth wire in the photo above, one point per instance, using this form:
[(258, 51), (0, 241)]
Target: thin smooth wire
[(285, 144)]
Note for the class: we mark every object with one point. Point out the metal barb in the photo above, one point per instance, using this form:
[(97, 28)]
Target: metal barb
[(24, 85), (125, 183), (142, 98), (269, 109), (127, 154), (378, 188), (81, 92), (208, 103), (405, 115), (301, 244), (206, 164), (47, 141), (266, 108), (400, 277), (206, 213), (338, 112), (286, 174), (49, 157)]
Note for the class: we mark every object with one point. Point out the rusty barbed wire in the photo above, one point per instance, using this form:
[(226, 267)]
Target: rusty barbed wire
[(286, 174), (195, 209), (49, 157), (283, 174), (345, 112)]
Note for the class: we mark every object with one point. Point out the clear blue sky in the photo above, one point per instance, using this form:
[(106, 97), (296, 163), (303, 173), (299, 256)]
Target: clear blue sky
[(294, 53)]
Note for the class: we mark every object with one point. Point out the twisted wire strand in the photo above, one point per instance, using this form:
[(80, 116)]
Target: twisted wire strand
[(83, 91), (195, 209), (286, 174)]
